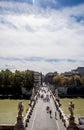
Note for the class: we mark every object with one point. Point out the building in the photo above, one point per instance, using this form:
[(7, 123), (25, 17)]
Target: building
[(68, 74), (37, 78), (49, 77), (79, 71)]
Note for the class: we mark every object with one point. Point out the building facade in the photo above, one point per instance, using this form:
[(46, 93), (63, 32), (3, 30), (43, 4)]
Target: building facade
[(49, 77), (79, 71), (37, 79)]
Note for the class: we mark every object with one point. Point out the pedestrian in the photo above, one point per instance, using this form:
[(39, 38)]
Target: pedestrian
[(47, 109), (55, 115), (50, 113)]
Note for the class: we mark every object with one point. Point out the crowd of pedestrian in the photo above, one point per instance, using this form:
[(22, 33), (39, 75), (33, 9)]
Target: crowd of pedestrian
[(48, 110), (45, 95)]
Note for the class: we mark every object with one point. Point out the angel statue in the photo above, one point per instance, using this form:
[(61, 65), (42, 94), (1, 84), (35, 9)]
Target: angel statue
[(71, 108), (20, 108)]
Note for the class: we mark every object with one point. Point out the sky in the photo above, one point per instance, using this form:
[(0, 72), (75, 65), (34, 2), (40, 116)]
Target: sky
[(41, 35)]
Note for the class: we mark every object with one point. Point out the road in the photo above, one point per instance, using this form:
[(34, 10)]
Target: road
[(41, 120)]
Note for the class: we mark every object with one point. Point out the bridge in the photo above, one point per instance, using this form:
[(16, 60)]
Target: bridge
[(41, 119), (45, 114)]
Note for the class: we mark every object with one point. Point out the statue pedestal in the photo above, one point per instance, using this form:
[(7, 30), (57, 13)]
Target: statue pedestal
[(71, 120), (19, 124), (72, 124)]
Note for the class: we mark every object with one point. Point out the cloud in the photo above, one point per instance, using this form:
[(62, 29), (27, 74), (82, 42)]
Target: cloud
[(41, 39), (38, 59), (46, 3)]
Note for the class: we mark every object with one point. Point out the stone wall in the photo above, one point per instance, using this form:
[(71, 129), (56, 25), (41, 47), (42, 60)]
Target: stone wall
[(6, 127)]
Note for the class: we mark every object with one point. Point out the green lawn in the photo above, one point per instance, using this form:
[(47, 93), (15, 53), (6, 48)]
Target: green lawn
[(78, 103), (9, 110)]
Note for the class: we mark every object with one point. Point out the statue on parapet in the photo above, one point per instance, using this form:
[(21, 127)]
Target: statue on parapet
[(72, 125), (71, 108), (20, 108)]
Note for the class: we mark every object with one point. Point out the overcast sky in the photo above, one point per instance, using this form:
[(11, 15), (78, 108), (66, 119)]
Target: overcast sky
[(41, 35)]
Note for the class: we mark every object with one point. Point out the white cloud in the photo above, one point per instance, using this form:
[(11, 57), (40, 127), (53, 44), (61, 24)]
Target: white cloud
[(48, 34)]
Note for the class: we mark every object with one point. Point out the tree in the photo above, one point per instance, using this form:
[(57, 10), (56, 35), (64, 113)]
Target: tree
[(11, 83), (77, 80), (71, 81), (29, 79), (5, 76), (57, 80), (65, 81), (82, 80)]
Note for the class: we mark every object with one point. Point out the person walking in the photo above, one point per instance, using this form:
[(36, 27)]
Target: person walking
[(50, 113), (47, 109), (55, 115)]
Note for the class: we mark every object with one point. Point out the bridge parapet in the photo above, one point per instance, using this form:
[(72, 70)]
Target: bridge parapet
[(29, 112), (7, 127), (60, 111)]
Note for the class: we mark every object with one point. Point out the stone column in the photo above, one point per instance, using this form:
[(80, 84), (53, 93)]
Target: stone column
[(19, 124)]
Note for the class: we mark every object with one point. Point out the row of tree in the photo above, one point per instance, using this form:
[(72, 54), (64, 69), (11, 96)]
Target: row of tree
[(75, 80), (12, 82)]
